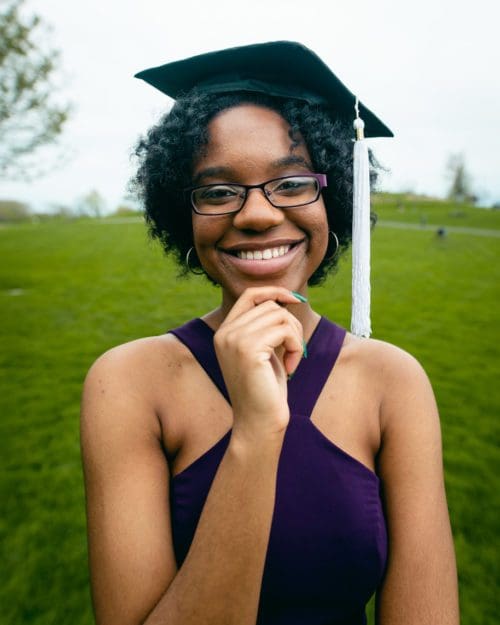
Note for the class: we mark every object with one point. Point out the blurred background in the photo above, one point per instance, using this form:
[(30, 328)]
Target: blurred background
[(78, 273)]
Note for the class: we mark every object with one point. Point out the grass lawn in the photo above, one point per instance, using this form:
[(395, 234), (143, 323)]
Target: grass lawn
[(70, 290), (431, 211)]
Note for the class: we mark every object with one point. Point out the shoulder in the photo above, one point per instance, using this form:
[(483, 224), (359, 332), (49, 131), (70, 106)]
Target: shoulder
[(131, 396), (410, 454), (397, 377), (386, 357), (138, 362), (130, 381), (408, 415)]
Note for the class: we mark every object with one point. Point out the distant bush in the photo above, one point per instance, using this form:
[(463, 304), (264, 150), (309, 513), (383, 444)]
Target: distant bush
[(127, 211), (60, 211), (10, 210)]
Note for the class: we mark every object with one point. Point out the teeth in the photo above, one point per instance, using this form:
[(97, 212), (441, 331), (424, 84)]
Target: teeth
[(272, 252)]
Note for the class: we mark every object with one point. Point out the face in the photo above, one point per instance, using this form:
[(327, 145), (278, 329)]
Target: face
[(250, 144)]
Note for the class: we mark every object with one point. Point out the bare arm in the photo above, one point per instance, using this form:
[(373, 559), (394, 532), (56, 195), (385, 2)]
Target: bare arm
[(134, 576), (420, 586)]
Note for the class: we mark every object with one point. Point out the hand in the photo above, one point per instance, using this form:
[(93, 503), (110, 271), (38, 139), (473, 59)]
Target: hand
[(258, 345)]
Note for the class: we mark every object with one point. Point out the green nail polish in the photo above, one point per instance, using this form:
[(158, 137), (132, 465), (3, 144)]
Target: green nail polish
[(304, 348), (300, 297), (290, 376)]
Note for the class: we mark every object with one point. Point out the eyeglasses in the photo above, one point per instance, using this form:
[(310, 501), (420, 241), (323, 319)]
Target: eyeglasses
[(284, 192)]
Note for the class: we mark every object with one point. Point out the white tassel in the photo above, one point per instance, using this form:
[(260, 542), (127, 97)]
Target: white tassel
[(360, 317)]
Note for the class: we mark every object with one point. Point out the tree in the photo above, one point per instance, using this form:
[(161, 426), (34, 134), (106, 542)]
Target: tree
[(29, 115), (460, 186), (11, 210), (92, 205)]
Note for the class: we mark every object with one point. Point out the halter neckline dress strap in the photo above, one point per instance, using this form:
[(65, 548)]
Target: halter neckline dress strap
[(311, 374)]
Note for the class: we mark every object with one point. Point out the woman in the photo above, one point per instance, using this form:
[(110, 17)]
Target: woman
[(260, 464)]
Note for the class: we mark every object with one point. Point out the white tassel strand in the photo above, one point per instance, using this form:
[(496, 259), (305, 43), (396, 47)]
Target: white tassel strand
[(360, 317)]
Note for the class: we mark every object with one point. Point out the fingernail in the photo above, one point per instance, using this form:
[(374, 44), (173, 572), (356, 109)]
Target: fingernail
[(304, 348), (300, 297), (290, 376)]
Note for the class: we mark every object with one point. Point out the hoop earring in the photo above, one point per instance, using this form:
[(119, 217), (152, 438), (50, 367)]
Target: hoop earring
[(190, 269), (337, 245)]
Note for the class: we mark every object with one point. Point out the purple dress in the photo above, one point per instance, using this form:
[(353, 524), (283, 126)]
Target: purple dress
[(327, 547)]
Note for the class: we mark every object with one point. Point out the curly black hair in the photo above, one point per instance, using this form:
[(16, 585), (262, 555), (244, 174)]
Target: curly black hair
[(170, 148)]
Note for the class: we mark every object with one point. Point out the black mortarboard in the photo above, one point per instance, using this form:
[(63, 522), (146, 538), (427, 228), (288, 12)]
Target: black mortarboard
[(277, 68)]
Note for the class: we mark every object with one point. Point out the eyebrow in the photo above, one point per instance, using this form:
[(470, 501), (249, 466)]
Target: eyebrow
[(286, 161), (291, 159), (211, 172)]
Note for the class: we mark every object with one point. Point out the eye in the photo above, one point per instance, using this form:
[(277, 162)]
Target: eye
[(295, 185), (217, 194)]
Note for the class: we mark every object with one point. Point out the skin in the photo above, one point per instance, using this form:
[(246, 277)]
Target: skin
[(141, 422)]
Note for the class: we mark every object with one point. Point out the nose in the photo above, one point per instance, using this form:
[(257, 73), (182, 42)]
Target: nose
[(258, 213)]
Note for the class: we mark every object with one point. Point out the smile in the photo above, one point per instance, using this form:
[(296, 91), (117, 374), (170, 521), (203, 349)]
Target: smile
[(267, 254), (266, 261)]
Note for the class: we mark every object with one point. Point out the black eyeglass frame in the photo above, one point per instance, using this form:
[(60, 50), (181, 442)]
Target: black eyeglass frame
[(320, 178)]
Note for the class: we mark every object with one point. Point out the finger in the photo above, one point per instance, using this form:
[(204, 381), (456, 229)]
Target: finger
[(249, 326), (252, 328), (257, 312), (291, 360), (284, 339), (254, 296), (279, 340)]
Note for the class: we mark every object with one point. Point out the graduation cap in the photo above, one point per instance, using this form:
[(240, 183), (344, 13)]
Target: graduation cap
[(289, 69), (279, 68)]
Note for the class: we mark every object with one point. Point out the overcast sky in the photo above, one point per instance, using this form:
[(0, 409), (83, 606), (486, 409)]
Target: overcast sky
[(429, 69)]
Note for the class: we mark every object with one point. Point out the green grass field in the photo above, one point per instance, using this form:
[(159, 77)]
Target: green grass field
[(70, 290), (408, 208)]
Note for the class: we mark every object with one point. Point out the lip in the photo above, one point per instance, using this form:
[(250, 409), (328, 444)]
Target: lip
[(263, 267), (259, 245)]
